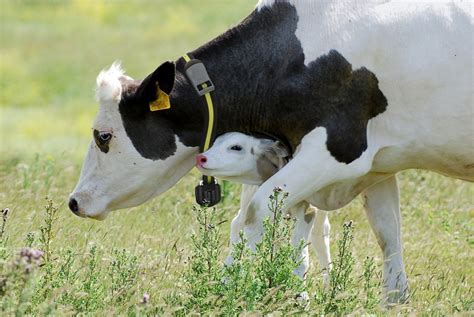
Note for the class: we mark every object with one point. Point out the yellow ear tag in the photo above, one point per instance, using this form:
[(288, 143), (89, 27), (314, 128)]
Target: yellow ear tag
[(162, 101)]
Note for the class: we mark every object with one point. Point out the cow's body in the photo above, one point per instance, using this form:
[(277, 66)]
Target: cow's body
[(358, 91)]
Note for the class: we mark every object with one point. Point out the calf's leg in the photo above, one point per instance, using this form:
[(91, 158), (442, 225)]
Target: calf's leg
[(320, 242), (302, 231), (237, 224)]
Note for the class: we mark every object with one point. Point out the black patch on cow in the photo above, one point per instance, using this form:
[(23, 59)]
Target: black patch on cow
[(151, 133), (263, 87)]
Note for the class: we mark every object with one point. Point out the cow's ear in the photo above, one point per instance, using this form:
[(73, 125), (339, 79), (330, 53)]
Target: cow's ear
[(162, 79)]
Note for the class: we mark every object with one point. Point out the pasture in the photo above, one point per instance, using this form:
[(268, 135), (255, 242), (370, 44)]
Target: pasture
[(51, 52)]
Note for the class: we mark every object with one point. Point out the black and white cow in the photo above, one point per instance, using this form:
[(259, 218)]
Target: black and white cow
[(358, 89)]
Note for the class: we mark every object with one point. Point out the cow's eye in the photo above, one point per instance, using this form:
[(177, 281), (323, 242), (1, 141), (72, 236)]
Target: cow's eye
[(236, 148), (105, 137), (102, 137)]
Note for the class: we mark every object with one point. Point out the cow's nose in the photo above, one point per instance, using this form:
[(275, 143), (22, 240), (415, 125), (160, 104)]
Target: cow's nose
[(201, 160), (74, 206)]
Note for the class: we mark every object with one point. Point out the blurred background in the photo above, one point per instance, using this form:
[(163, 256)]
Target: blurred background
[(52, 50)]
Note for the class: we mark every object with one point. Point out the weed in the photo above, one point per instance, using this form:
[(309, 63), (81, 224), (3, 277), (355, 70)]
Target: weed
[(46, 230), (123, 273), (340, 296), (370, 284), (254, 280), (3, 240), (5, 213)]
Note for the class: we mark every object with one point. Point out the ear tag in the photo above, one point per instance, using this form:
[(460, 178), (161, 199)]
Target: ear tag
[(162, 101)]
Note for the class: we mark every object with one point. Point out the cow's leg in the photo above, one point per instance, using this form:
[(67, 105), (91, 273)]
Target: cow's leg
[(304, 224), (320, 242), (382, 205), (312, 168), (237, 224)]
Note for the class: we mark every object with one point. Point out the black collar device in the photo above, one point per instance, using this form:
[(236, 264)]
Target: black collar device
[(208, 192)]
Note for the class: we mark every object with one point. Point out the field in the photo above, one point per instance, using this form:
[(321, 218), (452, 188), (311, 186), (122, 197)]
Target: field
[(50, 53)]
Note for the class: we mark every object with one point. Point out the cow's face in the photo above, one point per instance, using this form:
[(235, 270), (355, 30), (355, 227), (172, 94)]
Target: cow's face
[(129, 161), (242, 158)]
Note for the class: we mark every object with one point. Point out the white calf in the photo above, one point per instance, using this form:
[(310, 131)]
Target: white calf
[(251, 161)]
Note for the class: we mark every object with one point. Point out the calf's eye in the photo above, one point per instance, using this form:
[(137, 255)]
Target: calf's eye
[(236, 148)]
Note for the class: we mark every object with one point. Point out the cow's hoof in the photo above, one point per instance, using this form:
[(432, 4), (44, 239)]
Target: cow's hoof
[(394, 298)]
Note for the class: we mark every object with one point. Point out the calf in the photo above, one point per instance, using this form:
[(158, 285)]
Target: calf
[(251, 161)]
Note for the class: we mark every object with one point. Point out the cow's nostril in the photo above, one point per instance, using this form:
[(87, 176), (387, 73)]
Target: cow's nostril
[(203, 159), (73, 205)]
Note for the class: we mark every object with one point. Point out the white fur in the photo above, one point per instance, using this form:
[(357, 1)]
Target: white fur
[(108, 84), (235, 166)]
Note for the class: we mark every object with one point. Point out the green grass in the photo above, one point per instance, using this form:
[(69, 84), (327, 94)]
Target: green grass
[(51, 52)]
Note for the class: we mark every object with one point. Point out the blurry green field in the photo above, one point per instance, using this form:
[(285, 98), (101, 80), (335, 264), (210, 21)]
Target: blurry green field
[(50, 53)]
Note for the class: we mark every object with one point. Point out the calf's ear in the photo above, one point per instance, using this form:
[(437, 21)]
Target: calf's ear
[(280, 149), (275, 148), (161, 79)]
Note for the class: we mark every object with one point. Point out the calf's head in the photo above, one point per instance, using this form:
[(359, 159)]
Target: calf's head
[(242, 158), (135, 153)]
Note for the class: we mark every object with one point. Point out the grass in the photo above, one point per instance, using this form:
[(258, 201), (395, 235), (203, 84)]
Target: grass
[(51, 52)]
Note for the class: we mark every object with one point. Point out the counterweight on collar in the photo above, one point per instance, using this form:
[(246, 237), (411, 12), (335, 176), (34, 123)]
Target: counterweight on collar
[(208, 192)]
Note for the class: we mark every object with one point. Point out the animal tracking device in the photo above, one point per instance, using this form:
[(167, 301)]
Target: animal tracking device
[(208, 192)]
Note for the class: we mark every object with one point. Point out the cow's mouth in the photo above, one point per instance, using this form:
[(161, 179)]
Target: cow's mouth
[(98, 217)]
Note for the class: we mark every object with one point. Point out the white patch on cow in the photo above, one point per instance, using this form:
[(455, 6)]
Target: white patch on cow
[(101, 186)]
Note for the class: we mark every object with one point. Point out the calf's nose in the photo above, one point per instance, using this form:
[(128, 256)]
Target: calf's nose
[(201, 160)]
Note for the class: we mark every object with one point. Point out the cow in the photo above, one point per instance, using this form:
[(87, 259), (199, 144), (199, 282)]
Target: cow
[(251, 161), (359, 90)]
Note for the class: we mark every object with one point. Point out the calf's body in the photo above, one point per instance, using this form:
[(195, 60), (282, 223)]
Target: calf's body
[(251, 161)]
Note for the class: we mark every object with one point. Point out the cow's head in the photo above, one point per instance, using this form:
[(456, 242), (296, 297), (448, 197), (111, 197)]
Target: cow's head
[(135, 153)]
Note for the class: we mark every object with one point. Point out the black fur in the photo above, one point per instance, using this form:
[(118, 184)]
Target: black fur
[(262, 88)]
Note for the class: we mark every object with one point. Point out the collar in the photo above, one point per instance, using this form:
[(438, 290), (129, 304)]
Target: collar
[(208, 191)]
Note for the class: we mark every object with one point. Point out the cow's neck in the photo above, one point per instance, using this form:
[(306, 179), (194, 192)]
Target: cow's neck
[(246, 64)]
